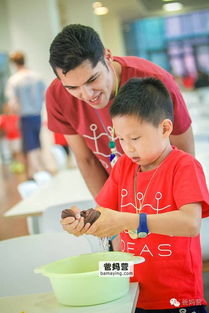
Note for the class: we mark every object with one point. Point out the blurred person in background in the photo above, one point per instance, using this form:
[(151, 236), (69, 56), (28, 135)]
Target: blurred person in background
[(10, 128), (78, 100), (202, 80), (201, 86), (25, 94)]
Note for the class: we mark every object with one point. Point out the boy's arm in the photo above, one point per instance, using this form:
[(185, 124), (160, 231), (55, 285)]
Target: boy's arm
[(183, 222), (110, 223)]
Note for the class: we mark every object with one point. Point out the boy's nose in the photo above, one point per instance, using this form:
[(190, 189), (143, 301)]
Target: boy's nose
[(130, 147)]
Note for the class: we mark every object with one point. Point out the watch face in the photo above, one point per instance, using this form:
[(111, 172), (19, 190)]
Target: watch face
[(142, 234), (133, 234)]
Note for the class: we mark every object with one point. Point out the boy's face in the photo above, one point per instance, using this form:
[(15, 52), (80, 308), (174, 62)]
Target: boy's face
[(141, 141), (93, 85)]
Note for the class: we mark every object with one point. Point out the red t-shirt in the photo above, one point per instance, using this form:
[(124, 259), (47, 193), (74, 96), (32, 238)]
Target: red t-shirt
[(173, 265), (10, 125), (68, 115)]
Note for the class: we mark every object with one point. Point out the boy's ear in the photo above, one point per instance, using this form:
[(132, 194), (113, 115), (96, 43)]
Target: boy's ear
[(167, 127)]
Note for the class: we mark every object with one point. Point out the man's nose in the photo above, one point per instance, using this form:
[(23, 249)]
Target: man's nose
[(86, 92)]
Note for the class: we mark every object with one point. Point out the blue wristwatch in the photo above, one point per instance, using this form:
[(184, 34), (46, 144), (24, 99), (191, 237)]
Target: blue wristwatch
[(142, 230)]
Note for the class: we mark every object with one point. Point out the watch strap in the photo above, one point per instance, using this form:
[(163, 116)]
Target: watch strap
[(142, 229)]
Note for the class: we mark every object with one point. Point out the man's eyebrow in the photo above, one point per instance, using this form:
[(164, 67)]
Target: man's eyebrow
[(90, 78)]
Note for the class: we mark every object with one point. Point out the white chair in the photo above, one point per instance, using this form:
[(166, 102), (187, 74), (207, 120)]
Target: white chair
[(42, 177), (20, 256), (60, 156), (50, 221), (26, 188)]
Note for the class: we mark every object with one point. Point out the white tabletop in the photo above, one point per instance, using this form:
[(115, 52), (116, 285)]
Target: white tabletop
[(67, 186), (47, 303)]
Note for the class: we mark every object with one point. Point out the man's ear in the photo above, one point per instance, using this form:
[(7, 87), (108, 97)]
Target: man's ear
[(167, 127), (108, 55)]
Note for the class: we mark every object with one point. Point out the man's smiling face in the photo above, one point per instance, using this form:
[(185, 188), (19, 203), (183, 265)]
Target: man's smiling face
[(93, 85)]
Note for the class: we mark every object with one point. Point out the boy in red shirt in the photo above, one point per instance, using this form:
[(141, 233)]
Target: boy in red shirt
[(156, 196)]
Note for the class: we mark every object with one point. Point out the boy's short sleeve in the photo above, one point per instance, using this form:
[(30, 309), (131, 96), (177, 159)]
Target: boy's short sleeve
[(190, 185)]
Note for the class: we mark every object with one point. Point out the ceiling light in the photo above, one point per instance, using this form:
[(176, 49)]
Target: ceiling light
[(101, 10), (175, 6), (96, 4)]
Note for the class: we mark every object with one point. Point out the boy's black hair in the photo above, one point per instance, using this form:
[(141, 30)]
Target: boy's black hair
[(73, 45), (146, 98)]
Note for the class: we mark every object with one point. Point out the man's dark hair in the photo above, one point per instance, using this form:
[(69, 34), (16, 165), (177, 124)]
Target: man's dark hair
[(146, 98), (73, 45)]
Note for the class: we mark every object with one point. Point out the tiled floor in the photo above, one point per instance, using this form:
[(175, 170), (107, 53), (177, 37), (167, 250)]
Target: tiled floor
[(198, 106)]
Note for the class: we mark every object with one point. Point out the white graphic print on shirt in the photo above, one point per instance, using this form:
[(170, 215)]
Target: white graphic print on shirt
[(163, 249), (96, 137)]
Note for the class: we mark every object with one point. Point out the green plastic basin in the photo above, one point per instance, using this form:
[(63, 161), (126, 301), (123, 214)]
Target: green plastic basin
[(76, 281)]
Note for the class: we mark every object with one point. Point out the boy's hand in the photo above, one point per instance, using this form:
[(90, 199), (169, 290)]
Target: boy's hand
[(75, 225), (108, 224)]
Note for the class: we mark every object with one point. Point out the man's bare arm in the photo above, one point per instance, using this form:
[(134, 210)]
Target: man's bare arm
[(184, 141), (91, 169)]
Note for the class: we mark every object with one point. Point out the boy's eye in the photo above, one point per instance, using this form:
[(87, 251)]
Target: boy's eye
[(135, 138), (121, 139)]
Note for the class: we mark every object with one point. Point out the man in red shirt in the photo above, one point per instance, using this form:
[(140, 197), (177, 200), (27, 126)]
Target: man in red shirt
[(78, 100)]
